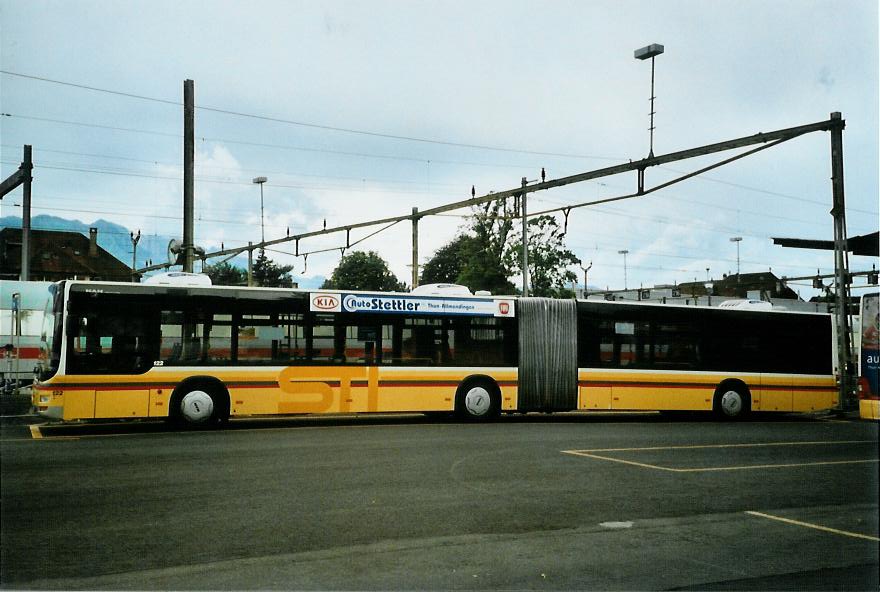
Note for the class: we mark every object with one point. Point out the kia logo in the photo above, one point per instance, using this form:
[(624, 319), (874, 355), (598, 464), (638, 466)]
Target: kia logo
[(325, 302)]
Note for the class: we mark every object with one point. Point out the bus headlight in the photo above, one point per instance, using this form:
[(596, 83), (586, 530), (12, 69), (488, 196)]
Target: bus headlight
[(44, 398)]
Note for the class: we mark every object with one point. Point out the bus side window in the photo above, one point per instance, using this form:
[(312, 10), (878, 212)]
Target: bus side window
[(605, 333), (417, 342), (631, 343), (110, 343), (368, 343), (675, 346)]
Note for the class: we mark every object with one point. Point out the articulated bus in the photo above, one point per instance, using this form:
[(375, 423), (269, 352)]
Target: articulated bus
[(869, 357), (203, 354)]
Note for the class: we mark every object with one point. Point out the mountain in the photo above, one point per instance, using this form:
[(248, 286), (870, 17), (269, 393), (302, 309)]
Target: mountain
[(116, 239), (112, 237)]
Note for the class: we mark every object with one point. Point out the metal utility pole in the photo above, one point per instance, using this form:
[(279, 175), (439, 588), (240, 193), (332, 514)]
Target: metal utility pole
[(415, 247), (135, 239), (22, 177), (841, 266), (27, 166), (525, 242), (189, 158), (250, 278), (586, 269)]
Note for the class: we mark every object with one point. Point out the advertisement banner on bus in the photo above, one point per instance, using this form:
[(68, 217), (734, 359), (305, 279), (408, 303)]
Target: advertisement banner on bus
[(870, 351), (400, 304)]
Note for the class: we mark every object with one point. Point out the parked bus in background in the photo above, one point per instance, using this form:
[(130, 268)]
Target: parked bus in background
[(202, 354), (22, 305), (869, 357)]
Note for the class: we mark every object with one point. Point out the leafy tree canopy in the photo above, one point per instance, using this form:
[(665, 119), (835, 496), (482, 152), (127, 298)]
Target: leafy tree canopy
[(268, 274), (450, 260), (363, 271), (226, 274), (488, 268), (475, 258), (549, 258), (488, 253)]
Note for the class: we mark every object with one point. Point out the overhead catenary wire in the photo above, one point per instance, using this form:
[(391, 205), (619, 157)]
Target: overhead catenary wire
[(567, 208), (648, 253), (203, 139), (373, 155), (325, 127), (178, 165)]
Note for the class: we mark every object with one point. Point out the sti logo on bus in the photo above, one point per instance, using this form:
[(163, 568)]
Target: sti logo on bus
[(325, 302)]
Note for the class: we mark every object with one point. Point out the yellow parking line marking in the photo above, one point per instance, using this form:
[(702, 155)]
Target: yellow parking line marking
[(592, 454), (778, 466), (755, 445), (36, 434), (709, 469), (618, 460), (814, 526)]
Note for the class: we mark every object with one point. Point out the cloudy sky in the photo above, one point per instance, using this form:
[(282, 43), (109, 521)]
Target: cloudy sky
[(361, 110)]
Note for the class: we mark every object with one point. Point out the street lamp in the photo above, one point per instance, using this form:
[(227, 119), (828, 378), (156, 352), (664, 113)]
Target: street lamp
[(737, 240), (651, 51), (259, 181), (624, 252)]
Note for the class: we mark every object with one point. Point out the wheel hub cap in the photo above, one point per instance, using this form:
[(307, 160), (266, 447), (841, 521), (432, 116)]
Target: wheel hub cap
[(197, 406), (477, 401)]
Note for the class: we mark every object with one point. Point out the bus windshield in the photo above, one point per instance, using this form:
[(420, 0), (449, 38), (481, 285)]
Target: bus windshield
[(50, 334)]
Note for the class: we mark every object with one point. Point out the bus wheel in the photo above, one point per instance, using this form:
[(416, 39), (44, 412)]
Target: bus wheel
[(197, 405), (478, 399), (731, 402)]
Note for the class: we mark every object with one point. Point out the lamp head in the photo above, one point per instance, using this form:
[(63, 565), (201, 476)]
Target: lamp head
[(650, 51)]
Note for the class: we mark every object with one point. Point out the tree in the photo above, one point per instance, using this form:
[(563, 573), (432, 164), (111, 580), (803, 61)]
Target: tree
[(489, 251), (548, 258), (476, 257), (488, 268), (363, 271), (225, 274), (450, 260), (268, 274)]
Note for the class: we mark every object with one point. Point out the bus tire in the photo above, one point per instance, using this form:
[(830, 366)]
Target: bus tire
[(199, 403), (732, 401), (478, 399)]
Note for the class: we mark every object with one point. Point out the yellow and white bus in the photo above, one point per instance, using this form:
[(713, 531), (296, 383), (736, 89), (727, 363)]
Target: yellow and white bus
[(202, 354)]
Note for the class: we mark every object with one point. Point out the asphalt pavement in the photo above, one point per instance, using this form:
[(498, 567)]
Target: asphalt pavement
[(567, 501)]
